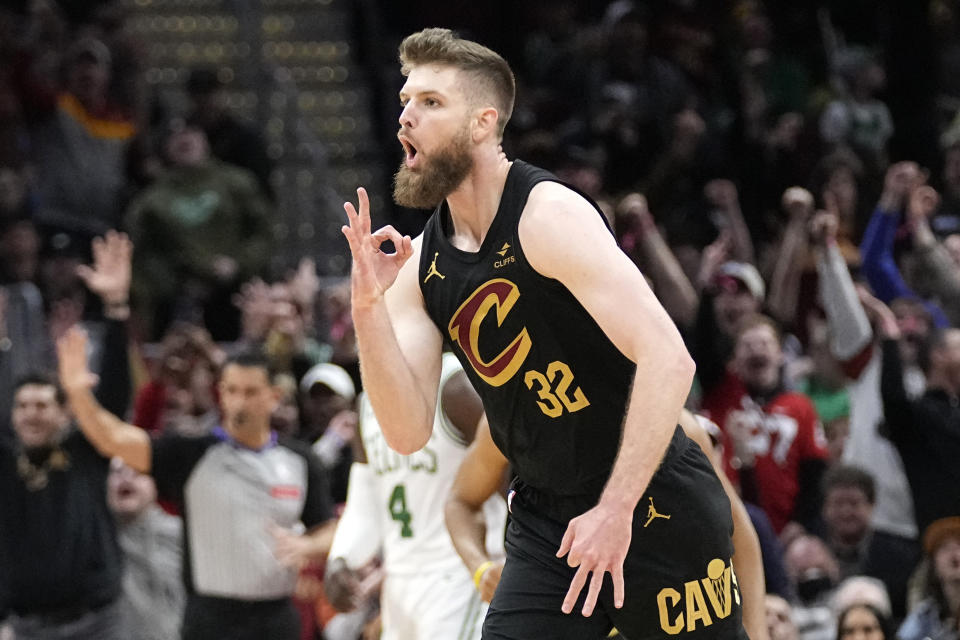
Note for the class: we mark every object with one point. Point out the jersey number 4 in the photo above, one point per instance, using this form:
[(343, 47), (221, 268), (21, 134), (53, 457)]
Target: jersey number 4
[(398, 510)]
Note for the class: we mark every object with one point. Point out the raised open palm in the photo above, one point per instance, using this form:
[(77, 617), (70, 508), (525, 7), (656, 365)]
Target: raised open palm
[(373, 270)]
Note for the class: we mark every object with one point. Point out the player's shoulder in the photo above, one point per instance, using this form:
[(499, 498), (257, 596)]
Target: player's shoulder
[(555, 201)]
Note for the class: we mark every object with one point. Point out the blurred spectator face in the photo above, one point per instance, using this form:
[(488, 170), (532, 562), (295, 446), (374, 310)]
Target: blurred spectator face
[(187, 146), (946, 560), (37, 416), (758, 357), (914, 323), (811, 567), (321, 403), (842, 184), (88, 74), (952, 244), (733, 303), (860, 623), (847, 512), (779, 616), (246, 398), (129, 493), (13, 190), (20, 251)]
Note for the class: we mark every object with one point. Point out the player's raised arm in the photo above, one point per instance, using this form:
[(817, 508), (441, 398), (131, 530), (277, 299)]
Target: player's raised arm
[(564, 238), (398, 344)]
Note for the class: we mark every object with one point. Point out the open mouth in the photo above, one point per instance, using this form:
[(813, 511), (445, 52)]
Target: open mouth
[(410, 152)]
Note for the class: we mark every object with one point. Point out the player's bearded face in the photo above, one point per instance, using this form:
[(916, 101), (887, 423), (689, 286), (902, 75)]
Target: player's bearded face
[(437, 176)]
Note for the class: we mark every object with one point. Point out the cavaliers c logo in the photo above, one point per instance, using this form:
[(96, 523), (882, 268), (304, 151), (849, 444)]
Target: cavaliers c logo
[(464, 329)]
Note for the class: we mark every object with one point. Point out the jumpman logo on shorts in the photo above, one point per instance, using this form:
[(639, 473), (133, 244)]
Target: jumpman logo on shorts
[(432, 271), (652, 514)]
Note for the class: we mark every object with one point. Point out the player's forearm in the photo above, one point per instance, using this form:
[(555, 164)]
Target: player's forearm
[(661, 385), (404, 413), (468, 531), (108, 434), (748, 564)]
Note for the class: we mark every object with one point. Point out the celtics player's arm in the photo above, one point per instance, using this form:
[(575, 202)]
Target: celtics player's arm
[(479, 477), (109, 435), (747, 558), (358, 538), (564, 238), (398, 344)]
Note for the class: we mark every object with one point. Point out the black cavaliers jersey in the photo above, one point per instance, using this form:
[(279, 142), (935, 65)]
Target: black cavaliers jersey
[(554, 387)]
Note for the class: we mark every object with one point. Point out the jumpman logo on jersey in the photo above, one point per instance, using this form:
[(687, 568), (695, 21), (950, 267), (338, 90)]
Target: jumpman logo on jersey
[(652, 514), (432, 271)]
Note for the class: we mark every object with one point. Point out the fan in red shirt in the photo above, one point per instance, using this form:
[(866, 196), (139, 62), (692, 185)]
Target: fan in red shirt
[(773, 441)]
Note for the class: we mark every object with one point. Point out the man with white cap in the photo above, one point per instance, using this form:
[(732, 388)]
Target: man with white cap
[(329, 421)]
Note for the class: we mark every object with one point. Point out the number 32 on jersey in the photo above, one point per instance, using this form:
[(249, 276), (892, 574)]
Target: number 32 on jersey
[(553, 389)]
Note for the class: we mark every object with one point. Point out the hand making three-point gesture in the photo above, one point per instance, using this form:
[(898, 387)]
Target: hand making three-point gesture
[(373, 270)]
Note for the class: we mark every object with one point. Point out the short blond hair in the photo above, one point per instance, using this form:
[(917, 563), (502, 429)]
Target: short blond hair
[(493, 79)]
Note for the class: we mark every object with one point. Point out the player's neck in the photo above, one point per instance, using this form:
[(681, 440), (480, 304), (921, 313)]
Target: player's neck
[(473, 205)]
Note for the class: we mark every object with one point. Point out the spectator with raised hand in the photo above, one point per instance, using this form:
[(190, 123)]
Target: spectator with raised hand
[(62, 566), (723, 196), (926, 429), (256, 506), (879, 267), (788, 269), (642, 238), (935, 273), (852, 343), (729, 293)]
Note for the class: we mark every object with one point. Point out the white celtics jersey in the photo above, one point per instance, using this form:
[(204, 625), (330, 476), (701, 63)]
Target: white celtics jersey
[(411, 492)]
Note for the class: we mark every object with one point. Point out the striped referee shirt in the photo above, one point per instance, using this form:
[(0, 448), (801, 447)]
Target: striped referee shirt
[(231, 497)]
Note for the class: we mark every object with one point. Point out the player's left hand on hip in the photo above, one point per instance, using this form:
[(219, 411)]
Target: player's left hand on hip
[(596, 543)]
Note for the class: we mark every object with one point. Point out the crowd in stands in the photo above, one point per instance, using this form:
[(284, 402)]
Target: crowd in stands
[(787, 185)]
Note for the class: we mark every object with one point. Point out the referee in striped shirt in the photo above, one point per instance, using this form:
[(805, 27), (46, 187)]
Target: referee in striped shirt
[(255, 506)]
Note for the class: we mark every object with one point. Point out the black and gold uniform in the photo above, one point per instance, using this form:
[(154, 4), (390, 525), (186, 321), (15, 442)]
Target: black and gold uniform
[(555, 390)]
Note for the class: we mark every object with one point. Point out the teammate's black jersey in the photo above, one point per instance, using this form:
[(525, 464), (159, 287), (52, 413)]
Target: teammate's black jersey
[(554, 387)]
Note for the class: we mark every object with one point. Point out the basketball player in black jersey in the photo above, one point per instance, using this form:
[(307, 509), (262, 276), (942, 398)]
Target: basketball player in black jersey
[(581, 372)]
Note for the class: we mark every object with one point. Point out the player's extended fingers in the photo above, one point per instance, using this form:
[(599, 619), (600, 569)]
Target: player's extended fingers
[(363, 200), (618, 590), (566, 544), (596, 581), (576, 586)]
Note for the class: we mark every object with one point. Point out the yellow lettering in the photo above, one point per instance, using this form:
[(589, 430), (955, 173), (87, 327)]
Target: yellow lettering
[(675, 627), (696, 606)]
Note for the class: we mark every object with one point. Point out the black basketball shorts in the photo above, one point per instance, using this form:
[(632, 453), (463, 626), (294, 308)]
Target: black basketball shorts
[(678, 574)]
